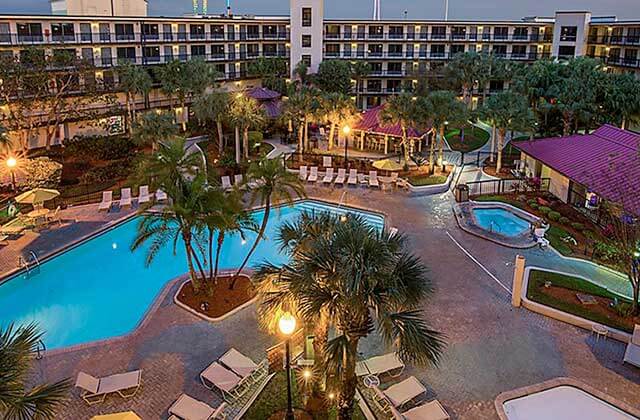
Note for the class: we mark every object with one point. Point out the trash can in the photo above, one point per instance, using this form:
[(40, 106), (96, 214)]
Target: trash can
[(462, 193)]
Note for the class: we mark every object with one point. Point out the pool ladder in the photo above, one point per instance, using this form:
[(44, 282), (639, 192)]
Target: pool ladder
[(491, 224), (40, 350), (26, 264)]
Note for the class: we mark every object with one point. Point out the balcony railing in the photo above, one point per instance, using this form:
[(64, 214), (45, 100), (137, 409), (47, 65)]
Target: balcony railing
[(455, 37), (427, 55), (614, 39)]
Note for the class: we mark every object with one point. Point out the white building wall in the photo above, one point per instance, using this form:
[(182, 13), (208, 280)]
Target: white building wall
[(99, 7), (315, 30), (558, 184), (578, 19)]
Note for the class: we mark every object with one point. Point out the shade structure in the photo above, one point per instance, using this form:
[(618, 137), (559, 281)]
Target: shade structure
[(37, 195), (387, 165), (127, 415), (371, 122)]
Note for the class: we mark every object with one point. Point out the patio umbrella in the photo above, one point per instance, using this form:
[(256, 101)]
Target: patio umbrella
[(128, 415), (37, 196), (387, 165)]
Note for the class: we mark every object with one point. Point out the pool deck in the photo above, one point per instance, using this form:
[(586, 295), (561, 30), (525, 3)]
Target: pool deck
[(493, 347)]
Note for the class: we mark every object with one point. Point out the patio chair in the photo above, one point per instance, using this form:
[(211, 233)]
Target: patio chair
[(55, 216), (302, 174), (328, 176), (313, 175), (161, 195), (632, 353), (378, 365), (538, 234), (322, 132), (188, 408), (95, 390), (226, 183), (107, 201), (237, 180), (405, 391), (326, 162), (373, 179), (125, 197), (217, 376), (238, 363), (143, 194), (353, 177), (13, 227), (342, 174), (432, 410)]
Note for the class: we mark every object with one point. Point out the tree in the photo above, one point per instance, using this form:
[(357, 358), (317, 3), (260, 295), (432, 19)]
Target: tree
[(302, 72), (272, 71), (171, 77), (621, 101), (359, 72), (300, 108), (272, 183), (467, 70), (17, 345), (508, 111), (402, 110), (5, 140), (246, 113), (211, 109), (337, 110), (152, 128), (364, 280), (133, 80), (334, 76)]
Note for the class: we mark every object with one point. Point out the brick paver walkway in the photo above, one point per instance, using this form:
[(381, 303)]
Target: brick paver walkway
[(492, 346)]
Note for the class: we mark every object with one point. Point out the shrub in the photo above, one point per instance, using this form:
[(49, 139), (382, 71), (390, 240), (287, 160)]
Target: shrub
[(607, 252), (554, 216), (564, 220), (622, 308), (99, 147), (531, 203), (544, 209), (534, 206), (116, 169), (255, 137), (577, 226), (40, 172)]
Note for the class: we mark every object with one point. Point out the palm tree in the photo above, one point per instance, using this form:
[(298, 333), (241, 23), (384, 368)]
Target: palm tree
[(444, 110), (466, 70), (301, 70), (622, 99), (364, 280), (5, 140), (171, 77), (360, 71), (211, 109), (246, 113), (401, 109), (337, 110), (299, 108), (43, 401), (153, 128), (133, 80), (272, 184), (508, 111)]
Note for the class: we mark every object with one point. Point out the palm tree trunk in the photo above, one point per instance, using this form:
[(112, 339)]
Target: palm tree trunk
[(263, 227), (405, 145), (349, 383), (441, 147), (300, 139), (493, 143), (128, 119), (501, 135), (245, 141), (566, 124), (220, 138), (332, 132), (237, 138), (218, 249), (432, 149), (624, 123), (306, 133)]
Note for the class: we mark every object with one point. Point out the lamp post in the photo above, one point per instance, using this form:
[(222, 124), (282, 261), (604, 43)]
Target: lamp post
[(287, 325), (346, 130), (11, 163)]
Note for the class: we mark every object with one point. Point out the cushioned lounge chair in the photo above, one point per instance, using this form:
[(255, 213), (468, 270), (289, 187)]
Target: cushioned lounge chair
[(378, 365), (125, 197), (342, 174), (107, 201), (328, 176), (188, 408), (143, 194), (313, 175), (95, 390), (432, 410)]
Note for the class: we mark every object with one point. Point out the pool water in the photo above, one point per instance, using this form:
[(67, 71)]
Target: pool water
[(100, 289), (500, 221)]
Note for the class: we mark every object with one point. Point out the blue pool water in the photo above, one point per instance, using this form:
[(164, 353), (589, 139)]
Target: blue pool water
[(500, 221), (100, 289)]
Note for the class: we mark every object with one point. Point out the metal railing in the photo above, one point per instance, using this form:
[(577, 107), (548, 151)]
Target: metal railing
[(507, 186), (437, 36)]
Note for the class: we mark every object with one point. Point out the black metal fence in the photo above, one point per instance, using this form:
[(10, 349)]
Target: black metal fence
[(507, 186)]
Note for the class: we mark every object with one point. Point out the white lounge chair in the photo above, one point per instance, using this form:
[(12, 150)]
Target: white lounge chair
[(342, 174), (380, 364), (216, 375), (394, 179), (432, 410), (328, 176), (143, 194), (226, 183), (188, 408), (107, 201), (405, 391), (632, 353), (353, 177), (161, 195), (237, 180), (55, 216), (302, 174), (326, 162), (125, 197), (95, 390), (393, 231), (539, 233), (313, 175), (238, 363), (373, 179)]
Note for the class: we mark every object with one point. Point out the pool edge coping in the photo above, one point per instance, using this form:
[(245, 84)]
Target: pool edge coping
[(506, 396)]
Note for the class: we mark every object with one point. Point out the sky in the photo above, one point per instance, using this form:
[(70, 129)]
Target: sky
[(417, 9)]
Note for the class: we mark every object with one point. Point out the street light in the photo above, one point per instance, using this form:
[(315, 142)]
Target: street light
[(287, 325), (346, 130), (11, 163)]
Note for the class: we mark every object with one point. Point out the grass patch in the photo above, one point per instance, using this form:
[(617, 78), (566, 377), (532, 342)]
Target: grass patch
[(498, 198), (422, 180), (555, 235), (536, 293), (474, 138)]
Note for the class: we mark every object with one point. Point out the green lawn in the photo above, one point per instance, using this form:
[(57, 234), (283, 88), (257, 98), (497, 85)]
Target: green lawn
[(498, 198), (555, 235), (422, 180), (474, 138), (538, 278)]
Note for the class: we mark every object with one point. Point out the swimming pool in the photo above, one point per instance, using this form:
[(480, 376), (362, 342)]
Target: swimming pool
[(100, 289), (500, 221)]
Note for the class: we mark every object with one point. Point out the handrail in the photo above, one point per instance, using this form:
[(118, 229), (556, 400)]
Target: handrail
[(40, 350), (35, 257)]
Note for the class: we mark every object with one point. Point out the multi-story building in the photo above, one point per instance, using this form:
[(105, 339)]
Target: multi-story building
[(398, 51)]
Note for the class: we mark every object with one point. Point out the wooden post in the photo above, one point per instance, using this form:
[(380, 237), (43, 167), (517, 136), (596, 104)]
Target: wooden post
[(386, 144), (362, 140), (518, 279)]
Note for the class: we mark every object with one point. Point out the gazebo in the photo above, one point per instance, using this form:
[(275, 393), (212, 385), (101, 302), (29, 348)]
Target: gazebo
[(373, 134), (269, 100)]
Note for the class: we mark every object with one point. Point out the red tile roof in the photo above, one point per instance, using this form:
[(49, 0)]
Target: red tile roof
[(263, 94), (606, 161), (370, 122)]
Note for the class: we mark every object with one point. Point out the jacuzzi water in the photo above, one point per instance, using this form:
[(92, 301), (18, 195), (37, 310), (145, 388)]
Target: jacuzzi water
[(500, 221), (563, 403), (100, 289)]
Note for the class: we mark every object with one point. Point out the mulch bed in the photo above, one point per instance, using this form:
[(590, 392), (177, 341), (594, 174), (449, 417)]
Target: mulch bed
[(222, 300), (297, 414)]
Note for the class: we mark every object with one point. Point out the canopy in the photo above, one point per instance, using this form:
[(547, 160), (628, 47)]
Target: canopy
[(37, 195), (128, 415), (370, 122), (263, 94), (387, 165)]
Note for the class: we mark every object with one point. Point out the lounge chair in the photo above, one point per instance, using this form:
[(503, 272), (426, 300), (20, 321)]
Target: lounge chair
[(303, 173), (394, 179), (125, 197), (107, 201), (238, 363), (216, 375), (632, 353), (538, 234), (226, 183), (405, 391), (380, 364), (95, 390), (432, 410), (237, 180), (373, 179), (55, 216), (13, 227), (326, 162), (313, 175), (328, 176), (188, 408), (342, 174), (393, 231), (161, 195), (143, 194), (353, 177)]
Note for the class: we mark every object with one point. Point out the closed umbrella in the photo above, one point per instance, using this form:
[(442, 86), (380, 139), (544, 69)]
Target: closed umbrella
[(128, 415), (387, 165), (37, 196)]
